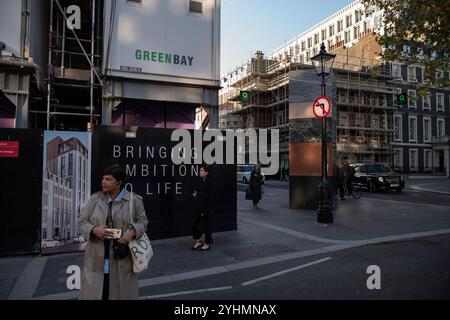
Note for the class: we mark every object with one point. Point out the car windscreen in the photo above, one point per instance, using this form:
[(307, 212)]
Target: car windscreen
[(378, 168)]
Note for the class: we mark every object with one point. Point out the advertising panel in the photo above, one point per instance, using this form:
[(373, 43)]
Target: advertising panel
[(166, 188), (65, 189)]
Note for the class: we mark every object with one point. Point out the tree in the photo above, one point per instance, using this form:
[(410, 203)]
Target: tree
[(422, 28)]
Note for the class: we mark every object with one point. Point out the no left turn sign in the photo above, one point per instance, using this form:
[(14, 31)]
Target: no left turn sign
[(322, 107)]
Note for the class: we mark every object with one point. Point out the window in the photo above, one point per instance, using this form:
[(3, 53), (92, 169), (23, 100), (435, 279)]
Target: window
[(307, 55), (422, 70), (375, 122), (397, 70), (426, 129), (439, 102), (63, 166), (412, 101), (302, 59), (358, 16), (303, 45), (324, 34), (366, 26), (309, 43), (413, 159), (412, 74), (331, 29), (330, 44), (297, 49), (340, 25), (196, 6), (338, 39), (347, 36), (315, 51), (348, 21), (291, 51), (412, 129), (70, 164), (398, 159), (377, 22), (356, 32), (439, 75), (398, 134), (426, 101), (427, 159), (316, 38), (440, 128)]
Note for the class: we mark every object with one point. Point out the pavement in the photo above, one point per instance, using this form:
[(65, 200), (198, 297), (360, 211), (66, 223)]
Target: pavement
[(271, 235)]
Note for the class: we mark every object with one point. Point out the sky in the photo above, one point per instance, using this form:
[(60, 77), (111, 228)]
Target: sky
[(251, 25)]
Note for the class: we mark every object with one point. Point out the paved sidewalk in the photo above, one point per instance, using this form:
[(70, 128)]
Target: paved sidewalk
[(268, 235)]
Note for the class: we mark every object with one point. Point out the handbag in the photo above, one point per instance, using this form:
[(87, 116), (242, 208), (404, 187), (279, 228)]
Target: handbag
[(141, 249), (248, 194)]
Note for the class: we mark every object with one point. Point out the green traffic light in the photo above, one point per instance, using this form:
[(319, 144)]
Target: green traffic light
[(245, 96)]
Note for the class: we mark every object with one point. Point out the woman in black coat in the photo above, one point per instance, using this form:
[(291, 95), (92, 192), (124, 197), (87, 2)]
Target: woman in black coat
[(255, 185), (202, 202)]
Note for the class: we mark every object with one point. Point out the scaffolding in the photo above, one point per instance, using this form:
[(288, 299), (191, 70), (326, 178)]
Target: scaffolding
[(267, 81), (365, 102), (73, 95)]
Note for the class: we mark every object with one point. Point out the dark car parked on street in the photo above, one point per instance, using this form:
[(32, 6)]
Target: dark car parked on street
[(377, 176)]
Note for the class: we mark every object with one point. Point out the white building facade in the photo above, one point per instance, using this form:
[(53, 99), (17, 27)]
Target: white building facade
[(73, 160)]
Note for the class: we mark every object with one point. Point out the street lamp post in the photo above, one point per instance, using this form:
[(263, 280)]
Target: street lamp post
[(323, 62)]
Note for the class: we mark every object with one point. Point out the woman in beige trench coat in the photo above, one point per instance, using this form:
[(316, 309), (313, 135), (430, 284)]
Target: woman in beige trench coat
[(122, 282)]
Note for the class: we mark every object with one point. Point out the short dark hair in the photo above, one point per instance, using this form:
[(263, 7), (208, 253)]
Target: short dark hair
[(205, 167), (118, 173)]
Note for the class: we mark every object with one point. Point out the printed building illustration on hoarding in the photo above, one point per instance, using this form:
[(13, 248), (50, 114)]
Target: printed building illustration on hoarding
[(66, 189)]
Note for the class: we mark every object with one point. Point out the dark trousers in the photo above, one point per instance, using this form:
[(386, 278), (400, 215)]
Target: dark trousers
[(341, 189), (105, 293), (349, 183), (202, 218)]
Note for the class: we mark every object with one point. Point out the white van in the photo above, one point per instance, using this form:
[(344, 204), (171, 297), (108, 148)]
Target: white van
[(244, 172)]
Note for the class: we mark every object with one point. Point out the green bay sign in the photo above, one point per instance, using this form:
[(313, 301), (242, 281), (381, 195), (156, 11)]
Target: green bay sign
[(161, 57)]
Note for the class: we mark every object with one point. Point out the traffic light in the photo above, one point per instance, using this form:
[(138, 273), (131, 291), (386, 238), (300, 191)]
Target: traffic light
[(402, 99), (245, 96)]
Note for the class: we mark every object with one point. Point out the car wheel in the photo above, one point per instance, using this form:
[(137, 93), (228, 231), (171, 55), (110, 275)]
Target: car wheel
[(373, 187)]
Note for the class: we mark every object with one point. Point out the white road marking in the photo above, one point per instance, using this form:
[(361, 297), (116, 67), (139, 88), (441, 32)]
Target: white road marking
[(29, 280), (247, 283), (292, 232), (174, 294)]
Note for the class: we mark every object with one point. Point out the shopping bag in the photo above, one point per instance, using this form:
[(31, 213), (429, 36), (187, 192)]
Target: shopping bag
[(141, 249)]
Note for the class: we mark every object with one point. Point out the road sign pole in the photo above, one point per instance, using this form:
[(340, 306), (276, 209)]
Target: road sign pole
[(325, 215)]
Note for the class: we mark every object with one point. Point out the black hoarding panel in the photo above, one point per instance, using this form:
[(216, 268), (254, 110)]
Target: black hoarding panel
[(20, 191), (166, 188)]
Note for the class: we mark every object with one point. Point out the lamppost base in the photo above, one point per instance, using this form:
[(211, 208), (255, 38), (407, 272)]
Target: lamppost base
[(325, 215)]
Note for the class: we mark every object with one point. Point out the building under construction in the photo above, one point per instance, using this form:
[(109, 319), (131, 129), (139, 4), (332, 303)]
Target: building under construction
[(71, 65), (364, 100)]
